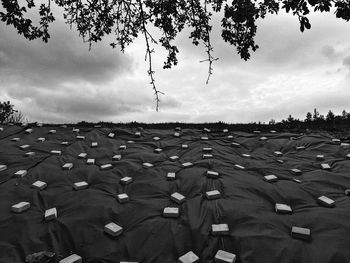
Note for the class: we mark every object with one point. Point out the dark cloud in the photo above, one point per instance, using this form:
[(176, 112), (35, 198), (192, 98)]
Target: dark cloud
[(346, 61), (64, 59)]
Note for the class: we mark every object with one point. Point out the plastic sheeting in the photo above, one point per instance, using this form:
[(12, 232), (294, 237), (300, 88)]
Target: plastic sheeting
[(247, 204)]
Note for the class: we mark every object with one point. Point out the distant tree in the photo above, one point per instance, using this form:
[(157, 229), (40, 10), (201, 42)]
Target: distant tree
[(330, 116), (16, 117), (272, 122), (344, 114), (316, 114), (308, 117), (127, 19), (321, 118), (290, 119), (6, 110)]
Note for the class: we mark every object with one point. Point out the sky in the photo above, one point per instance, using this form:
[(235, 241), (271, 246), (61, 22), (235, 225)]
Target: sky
[(291, 73)]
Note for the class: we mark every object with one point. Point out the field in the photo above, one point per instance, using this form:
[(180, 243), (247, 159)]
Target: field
[(128, 176)]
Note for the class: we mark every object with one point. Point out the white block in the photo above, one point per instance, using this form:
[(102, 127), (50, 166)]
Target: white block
[(301, 233), (246, 155), (176, 134), (204, 138), (325, 166), (39, 125), (138, 134), (90, 161), (122, 147), (325, 201), (263, 138), (106, 166), (257, 132), (113, 229), (74, 258), (174, 158), (296, 171), (336, 141), (156, 138), (225, 130), (297, 180), (50, 214), (122, 198), (187, 164), (225, 257), (212, 174), (20, 207), (20, 173), (25, 146), (278, 154), (82, 155), (273, 131), (80, 137), (207, 149), (94, 144), (15, 139), (117, 157), (345, 145), (158, 150), (3, 167), (177, 128), (219, 229), (67, 166), (126, 180), (28, 154), (111, 135), (235, 144), (177, 198), (40, 185), (320, 157), (230, 137), (171, 176), (1, 129), (147, 165), (214, 194), (280, 161), (52, 131), (207, 156), (55, 152), (206, 130), (64, 143), (239, 167), (130, 142), (189, 257), (171, 212), (28, 131), (80, 185), (299, 148), (348, 156), (184, 146), (41, 139), (271, 178), (283, 209), (75, 130)]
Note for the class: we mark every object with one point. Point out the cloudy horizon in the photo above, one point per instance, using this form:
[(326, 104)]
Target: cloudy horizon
[(291, 73)]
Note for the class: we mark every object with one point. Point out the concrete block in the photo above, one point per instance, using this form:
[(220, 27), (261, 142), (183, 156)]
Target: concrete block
[(225, 257), (111, 135), (52, 131), (117, 157), (15, 139), (171, 176), (187, 164), (28, 131), (25, 146), (41, 139), (82, 155), (80, 185), (207, 156), (171, 212), (189, 257), (325, 166), (20, 207), (278, 154), (122, 198), (240, 167), (214, 194), (158, 150), (56, 152), (113, 229), (90, 161), (65, 143), (126, 180), (212, 174), (296, 171), (20, 173), (270, 178), (147, 165), (29, 154), (80, 137), (301, 233), (156, 138), (325, 201), (235, 144), (107, 166), (174, 158), (184, 146), (74, 258), (177, 198), (40, 185), (219, 229), (94, 144), (67, 166), (320, 157), (283, 209), (122, 147), (3, 167), (50, 214)]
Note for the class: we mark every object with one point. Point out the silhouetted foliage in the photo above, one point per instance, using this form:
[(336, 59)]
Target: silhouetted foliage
[(127, 19), (6, 111), (308, 117), (330, 116)]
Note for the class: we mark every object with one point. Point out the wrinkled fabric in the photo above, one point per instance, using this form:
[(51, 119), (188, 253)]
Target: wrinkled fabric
[(256, 232)]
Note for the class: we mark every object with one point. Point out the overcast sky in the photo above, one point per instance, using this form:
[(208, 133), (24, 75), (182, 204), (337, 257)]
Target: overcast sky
[(291, 73)]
